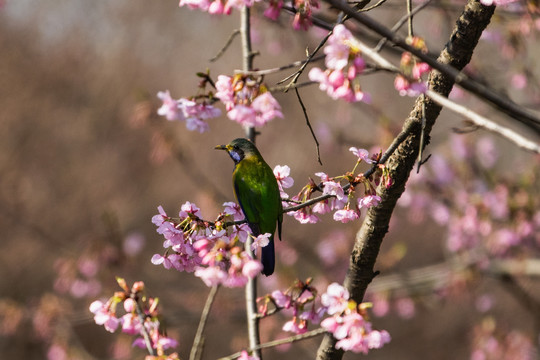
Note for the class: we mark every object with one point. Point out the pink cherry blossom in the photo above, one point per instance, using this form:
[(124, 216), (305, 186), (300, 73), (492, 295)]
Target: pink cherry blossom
[(245, 356), (324, 177), (243, 115), (282, 176), (346, 215), (169, 109), (486, 152), (225, 91), (216, 7), (131, 324), (193, 113), (267, 108), (295, 326), (252, 268), (212, 276), (319, 76), (344, 66), (304, 216), (354, 333), (232, 208), (322, 207), (363, 155), (419, 69), (369, 201), (102, 316), (261, 241), (281, 299), (274, 9), (167, 342), (337, 54), (195, 4), (188, 209), (335, 299)]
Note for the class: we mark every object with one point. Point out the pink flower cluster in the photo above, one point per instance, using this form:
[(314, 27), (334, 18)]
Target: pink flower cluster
[(79, 278), (274, 9), (246, 100), (485, 220), (304, 11), (245, 356), (337, 199), (193, 113), (492, 341), (217, 7), (348, 322), (296, 299), (409, 82), (344, 65), (131, 323), (213, 251)]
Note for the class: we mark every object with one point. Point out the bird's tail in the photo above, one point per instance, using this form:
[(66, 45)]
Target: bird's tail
[(268, 258)]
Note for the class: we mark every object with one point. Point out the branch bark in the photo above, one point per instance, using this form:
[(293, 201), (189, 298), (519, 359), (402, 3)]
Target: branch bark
[(457, 54), (250, 133)]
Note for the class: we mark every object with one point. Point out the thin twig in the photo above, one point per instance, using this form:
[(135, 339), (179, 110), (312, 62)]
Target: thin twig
[(485, 123), (309, 125), (409, 18), (373, 6), (144, 330), (274, 343), (198, 342), (234, 34), (278, 69), (298, 72), (402, 21), (295, 86)]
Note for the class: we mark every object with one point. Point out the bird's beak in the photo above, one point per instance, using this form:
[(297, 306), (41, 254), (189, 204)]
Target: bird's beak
[(221, 147)]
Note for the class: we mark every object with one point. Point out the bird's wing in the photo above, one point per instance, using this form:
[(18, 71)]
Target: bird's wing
[(257, 193)]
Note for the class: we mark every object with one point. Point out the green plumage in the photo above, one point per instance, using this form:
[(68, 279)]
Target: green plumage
[(257, 192)]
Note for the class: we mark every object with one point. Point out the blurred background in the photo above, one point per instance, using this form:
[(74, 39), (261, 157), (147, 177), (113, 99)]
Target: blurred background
[(85, 161)]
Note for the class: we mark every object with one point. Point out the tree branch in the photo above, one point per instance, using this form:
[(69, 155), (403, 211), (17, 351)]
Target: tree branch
[(455, 56), (485, 123), (274, 343), (198, 342), (457, 43), (251, 286)]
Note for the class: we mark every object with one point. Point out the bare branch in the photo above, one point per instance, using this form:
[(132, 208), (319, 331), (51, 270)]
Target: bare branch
[(278, 69), (144, 330), (198, 342), (274, 343), (485, 123), (234, 34), (309, 124), (251, 286)]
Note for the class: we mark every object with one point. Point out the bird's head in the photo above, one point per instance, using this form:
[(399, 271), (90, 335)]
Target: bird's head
[(240, 148)]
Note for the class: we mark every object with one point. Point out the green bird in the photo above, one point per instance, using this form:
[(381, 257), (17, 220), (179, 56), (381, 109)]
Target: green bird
[(257, 191)]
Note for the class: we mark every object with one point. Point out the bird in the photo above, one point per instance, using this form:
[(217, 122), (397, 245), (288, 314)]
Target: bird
[(257, 192)]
